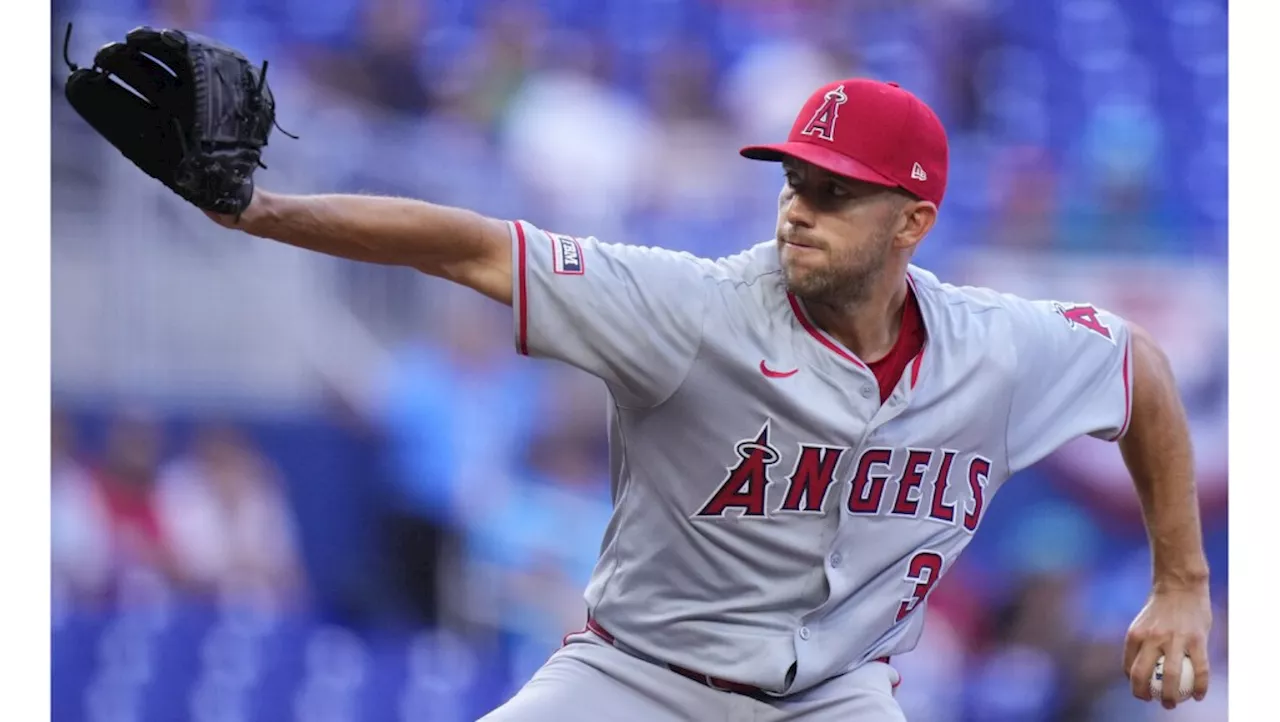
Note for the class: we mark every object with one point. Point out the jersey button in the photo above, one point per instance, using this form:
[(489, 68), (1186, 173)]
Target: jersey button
[(866, 390), (836, 559), (804, 632)]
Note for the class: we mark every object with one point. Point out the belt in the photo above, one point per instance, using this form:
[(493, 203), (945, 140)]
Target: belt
[(716, 683)]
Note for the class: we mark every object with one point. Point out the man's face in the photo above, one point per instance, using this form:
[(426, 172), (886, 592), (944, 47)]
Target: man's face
[(835, 234)]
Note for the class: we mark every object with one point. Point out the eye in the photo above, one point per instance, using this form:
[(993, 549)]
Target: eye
[(793, 178), (835, 190)]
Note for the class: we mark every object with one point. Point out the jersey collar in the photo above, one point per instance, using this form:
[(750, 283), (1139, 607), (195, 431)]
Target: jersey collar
[(834, 346)]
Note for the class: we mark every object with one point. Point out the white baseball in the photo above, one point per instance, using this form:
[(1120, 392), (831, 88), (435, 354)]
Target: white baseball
[(1185, 683)]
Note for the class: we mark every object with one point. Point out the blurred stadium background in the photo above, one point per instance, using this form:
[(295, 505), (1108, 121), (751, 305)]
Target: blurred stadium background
[(290, 488)]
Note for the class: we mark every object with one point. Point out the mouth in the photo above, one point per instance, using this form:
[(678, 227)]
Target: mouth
[(794, 244)]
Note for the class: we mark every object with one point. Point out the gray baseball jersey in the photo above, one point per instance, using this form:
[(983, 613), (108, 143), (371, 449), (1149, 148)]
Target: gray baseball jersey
[(774, 522)]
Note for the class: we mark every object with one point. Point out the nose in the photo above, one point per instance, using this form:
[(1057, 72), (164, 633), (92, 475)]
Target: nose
[(796, 211)]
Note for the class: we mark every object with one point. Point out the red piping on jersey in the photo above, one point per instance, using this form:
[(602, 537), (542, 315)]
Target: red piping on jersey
[(804, 321), (1128, 401), (915, 365), (523, 346)]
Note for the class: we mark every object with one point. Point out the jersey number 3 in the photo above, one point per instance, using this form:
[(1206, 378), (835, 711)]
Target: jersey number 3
[(924, 570)]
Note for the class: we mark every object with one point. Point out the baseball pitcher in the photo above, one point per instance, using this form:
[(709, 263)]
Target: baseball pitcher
[(805, 435)]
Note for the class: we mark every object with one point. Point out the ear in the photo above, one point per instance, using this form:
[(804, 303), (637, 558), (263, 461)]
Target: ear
[(916, 220)]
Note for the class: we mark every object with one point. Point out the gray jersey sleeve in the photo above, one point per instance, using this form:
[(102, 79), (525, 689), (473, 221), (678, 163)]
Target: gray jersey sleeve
[(630, 315), (1074, 377)]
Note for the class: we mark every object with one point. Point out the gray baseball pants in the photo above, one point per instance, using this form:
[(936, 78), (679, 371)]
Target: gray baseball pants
[(591, 680)]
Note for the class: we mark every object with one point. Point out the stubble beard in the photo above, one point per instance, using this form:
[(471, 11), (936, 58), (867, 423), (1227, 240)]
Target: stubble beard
[(846, 281)]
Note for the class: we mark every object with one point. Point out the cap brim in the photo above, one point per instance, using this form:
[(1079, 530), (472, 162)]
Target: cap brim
[(824, 158)]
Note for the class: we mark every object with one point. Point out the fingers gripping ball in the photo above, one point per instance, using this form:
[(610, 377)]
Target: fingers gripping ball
[(188, 111), (1186, 683)]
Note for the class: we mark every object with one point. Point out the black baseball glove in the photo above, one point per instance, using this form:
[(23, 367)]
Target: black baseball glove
[(189, 111)]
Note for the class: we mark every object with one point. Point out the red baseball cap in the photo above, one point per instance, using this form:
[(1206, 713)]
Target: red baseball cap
[(871, 131)]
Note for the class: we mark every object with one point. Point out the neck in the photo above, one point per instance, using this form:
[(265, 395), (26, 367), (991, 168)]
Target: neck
[(868, 327)]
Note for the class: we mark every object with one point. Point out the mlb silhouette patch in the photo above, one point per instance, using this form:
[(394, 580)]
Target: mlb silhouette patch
[(1083, 315), (567, 255)]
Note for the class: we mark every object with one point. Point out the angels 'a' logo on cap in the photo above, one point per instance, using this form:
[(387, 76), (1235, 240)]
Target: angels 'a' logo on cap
[(823, 123)]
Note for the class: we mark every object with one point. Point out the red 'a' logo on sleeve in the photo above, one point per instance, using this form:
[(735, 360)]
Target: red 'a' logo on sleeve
[(823, 123), (1082, 315)]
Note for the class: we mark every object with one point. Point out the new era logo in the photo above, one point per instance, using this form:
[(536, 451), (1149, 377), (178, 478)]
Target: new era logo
[(567, 255), (918, 173)]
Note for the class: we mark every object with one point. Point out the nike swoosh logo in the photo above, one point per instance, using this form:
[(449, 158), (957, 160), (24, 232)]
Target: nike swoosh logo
[(776, 374)]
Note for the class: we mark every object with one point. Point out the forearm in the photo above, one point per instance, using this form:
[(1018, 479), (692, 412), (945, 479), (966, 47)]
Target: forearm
[(452, 243), (1157, 451)]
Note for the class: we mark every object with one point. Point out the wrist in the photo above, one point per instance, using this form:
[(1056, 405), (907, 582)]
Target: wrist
[(1191, 577), (257, 216)]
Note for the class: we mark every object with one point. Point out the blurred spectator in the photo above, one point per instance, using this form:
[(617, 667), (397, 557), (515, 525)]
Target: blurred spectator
[(497, 63), (388, 65), (1018, 677), (547, 532), (126, 480), (456, 410), (533, 545), (223, 511), (376, 64), (552, 136), (1114, 203), (193, 14), (1027, 188), (964, 33), (689, 170), (80, 526)]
